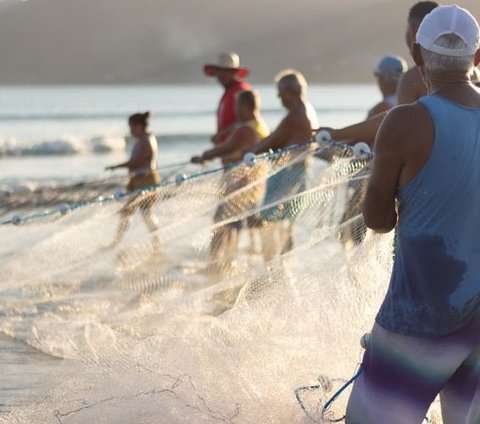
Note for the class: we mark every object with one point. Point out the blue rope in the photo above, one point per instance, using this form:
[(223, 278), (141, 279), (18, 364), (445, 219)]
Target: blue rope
[(329, 403), (16, 219)]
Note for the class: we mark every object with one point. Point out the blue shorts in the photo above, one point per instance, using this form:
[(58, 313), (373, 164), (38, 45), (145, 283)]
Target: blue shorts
[(284, 184)]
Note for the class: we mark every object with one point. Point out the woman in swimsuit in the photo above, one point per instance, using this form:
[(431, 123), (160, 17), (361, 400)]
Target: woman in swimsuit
[(142, 170)]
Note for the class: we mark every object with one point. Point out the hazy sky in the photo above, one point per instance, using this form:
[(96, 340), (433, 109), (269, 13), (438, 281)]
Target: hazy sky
[(165, 41)]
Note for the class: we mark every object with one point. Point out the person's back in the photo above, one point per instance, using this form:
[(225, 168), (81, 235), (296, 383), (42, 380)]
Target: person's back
[(145, 150), (300, 125), (437, 266), (296, 127), (142, 164), (426, 339)]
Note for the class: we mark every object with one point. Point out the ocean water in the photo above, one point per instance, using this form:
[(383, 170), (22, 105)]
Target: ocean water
[(121, 336), (72, 132)]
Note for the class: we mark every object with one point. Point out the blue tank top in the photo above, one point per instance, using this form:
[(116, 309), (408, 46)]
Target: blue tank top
[(435, 283)]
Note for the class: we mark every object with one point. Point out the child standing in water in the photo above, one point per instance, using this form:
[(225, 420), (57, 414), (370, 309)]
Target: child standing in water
[(142, 170)]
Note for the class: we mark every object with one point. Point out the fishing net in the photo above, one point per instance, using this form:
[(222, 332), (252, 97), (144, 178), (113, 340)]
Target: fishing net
[(234, 295)]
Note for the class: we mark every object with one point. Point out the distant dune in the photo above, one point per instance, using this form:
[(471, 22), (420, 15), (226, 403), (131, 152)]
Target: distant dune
[(167, 41)]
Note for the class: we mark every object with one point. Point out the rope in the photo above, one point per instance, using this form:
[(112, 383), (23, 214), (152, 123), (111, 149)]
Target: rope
[(336, 395), (173, 165), (250, 159), (329, 403)]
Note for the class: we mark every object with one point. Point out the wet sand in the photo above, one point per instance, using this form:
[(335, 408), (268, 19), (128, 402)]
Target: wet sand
[(22, 370)]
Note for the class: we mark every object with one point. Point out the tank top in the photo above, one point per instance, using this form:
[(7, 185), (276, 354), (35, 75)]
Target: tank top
[(435, 284), (262, 132), (226, 115), (151, 164), (259, 127)]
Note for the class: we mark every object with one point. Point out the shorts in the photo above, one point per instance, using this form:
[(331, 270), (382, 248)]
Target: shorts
[(143, 180), (402, 375), (286, 183), (143, 200), (240, 199)]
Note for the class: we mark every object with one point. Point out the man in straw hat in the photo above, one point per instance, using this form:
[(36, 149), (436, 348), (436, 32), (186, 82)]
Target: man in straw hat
[(426, 339), (229, 74)]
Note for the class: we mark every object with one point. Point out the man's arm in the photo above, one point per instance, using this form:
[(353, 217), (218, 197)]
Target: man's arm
[(222, 134), (240, 139), (277, 140), (363, 131), (379, 205), (378, 108), (410, 88), (402, 148)]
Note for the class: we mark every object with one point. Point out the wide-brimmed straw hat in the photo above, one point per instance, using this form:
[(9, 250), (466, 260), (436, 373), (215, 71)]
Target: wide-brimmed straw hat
[(226, 61)]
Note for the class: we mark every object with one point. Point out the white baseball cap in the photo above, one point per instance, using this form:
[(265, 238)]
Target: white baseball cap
[(445, 20)]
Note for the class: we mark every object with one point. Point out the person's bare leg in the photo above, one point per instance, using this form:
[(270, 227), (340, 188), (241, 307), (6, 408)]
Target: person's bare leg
[(286, 236), (231, 250), (460, 396), (268, 239), (151, 222), (123, 226), (253, 239)]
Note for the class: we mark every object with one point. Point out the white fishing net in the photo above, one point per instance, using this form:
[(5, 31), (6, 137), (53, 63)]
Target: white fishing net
[(243, 286)]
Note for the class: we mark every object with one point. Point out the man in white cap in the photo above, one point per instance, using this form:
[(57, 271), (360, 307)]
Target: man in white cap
[(426, 339), (230, 75), (388, 73)]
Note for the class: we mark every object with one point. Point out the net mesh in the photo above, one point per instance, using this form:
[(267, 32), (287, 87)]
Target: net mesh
[(209, 299)]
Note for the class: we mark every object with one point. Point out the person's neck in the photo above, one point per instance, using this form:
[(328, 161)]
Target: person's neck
[(142, 135), (231, 82), (388, 90), (296, 103), (247, 117), (445, 82)]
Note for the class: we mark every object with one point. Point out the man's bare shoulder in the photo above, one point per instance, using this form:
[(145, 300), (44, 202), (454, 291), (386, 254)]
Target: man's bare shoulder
[(403, 126), (244, 130), (411, 86), (378, 108), (412, 74), (412, 114), (242, 133), (297, 117)]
